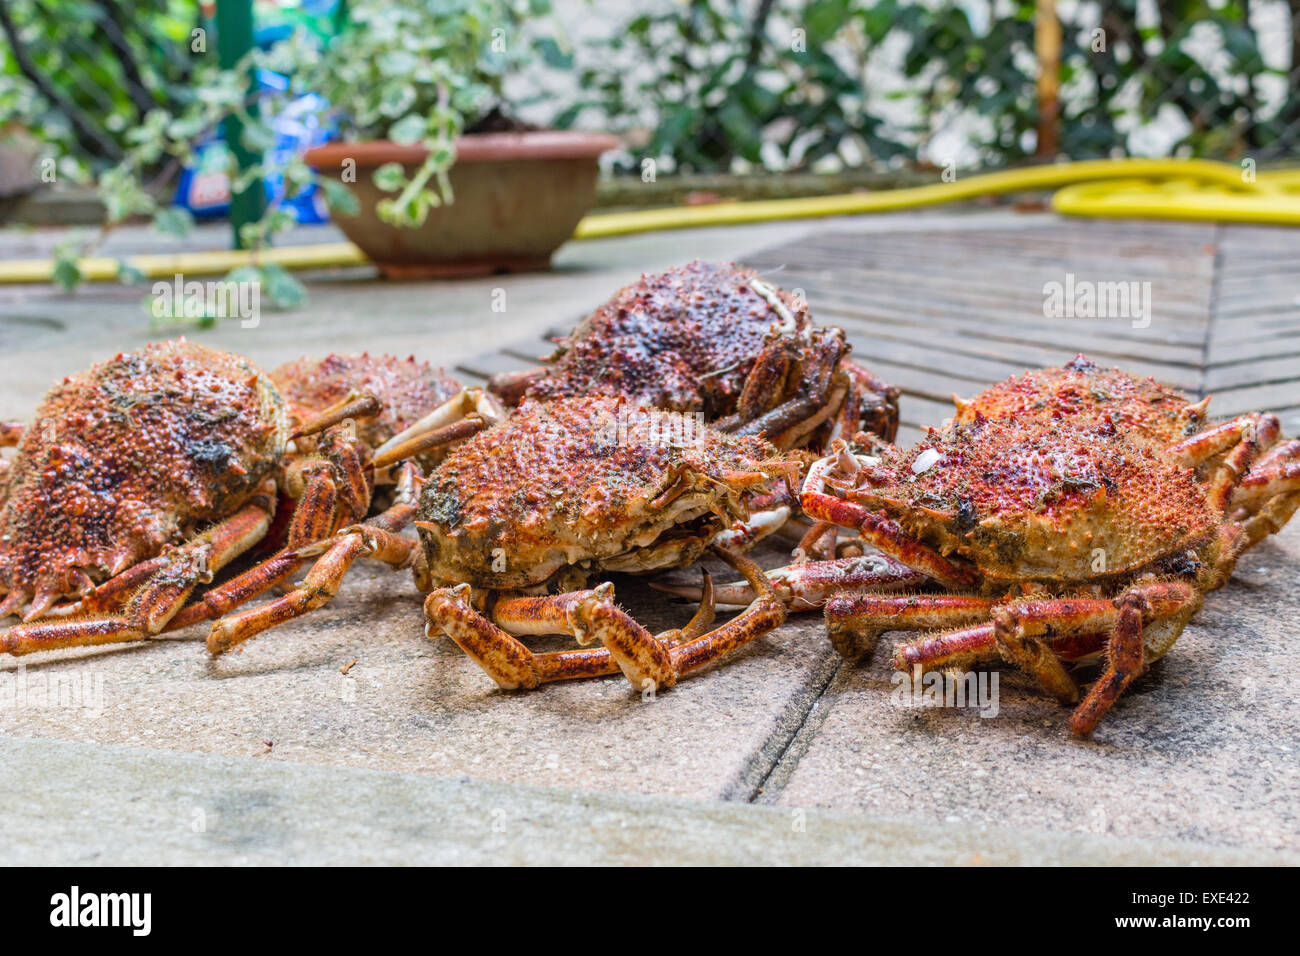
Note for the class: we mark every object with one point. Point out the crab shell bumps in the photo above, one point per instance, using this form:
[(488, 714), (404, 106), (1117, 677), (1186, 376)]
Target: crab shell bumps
[(564, 489), (1028, 504), (129, 456)]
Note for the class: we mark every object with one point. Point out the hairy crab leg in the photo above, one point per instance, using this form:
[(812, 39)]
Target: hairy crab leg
[(315, 519), (113, 593), (821, 392), (457, 431), (501, 656), (323, 504), (587, 615), (1274, 474), (808, 586), (647, 661), (1204, 445), (357, 405), (870, 406), (1126, 658), (1038, 634), (811, 547), (376, 539), (885, 534), (470, 401), (854, 622), (316, 516), (162, 595), (765, 614)]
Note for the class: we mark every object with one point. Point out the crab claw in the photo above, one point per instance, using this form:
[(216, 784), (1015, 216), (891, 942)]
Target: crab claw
[(808, 586)]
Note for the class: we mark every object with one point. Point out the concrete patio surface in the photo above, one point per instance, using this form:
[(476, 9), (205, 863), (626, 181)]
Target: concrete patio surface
[(780, 754)]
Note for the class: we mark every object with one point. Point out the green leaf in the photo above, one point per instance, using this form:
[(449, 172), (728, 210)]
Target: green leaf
[(128, 274), (389, 177), (67, 274), (553, 55), (408, 129), (340, 198), (173, 221), (284, 291)]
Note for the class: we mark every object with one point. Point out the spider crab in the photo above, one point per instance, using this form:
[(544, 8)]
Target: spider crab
[(1078, 512), (717, 340), (522, 514), (148, 474)]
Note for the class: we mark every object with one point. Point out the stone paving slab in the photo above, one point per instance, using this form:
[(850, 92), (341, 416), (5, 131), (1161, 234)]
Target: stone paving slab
[(414, 704), (1205, 747), (1196, 765), (76, 804)]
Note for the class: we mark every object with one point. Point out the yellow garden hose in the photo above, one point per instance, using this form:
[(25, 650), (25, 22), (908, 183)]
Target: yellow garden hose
[(1275, 202), (1139, 188)]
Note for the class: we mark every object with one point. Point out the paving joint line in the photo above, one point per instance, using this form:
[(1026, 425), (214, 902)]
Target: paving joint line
[(796, 744)]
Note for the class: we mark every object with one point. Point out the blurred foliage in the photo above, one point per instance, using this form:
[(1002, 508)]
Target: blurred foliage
[(81, 74), (418, 73), (720, 81)]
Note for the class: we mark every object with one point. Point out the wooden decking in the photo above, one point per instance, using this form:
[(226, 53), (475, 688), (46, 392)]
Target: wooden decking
[(938, 312)]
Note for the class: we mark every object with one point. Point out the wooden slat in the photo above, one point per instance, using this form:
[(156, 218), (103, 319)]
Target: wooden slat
[(937, 312)]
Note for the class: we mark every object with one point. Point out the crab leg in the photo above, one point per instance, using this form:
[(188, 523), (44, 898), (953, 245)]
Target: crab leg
[(765, 614), (1038, 634), (162, 595), (457, 431), (587, 615), (821, 395), (470, 401), (357, 405), (322, 508), (317, 513), (505, 659), (315, 517), (871, 405), (854, 622), (377, 539), (648, 662), (1204, 445), (808, 586), (1276, 473), (811, 547), (1172, 602), (885, 534), (1243, 439)]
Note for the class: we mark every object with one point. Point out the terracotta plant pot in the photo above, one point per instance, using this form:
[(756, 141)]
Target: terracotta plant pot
[(518, 197)]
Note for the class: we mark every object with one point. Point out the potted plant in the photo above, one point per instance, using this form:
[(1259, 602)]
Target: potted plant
[(430, 175)]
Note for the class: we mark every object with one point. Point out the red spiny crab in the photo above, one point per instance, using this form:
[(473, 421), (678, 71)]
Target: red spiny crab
[(1067, 543), (1082, 512), (149, 473), (575, 487), (717, 340), (563, 490)]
